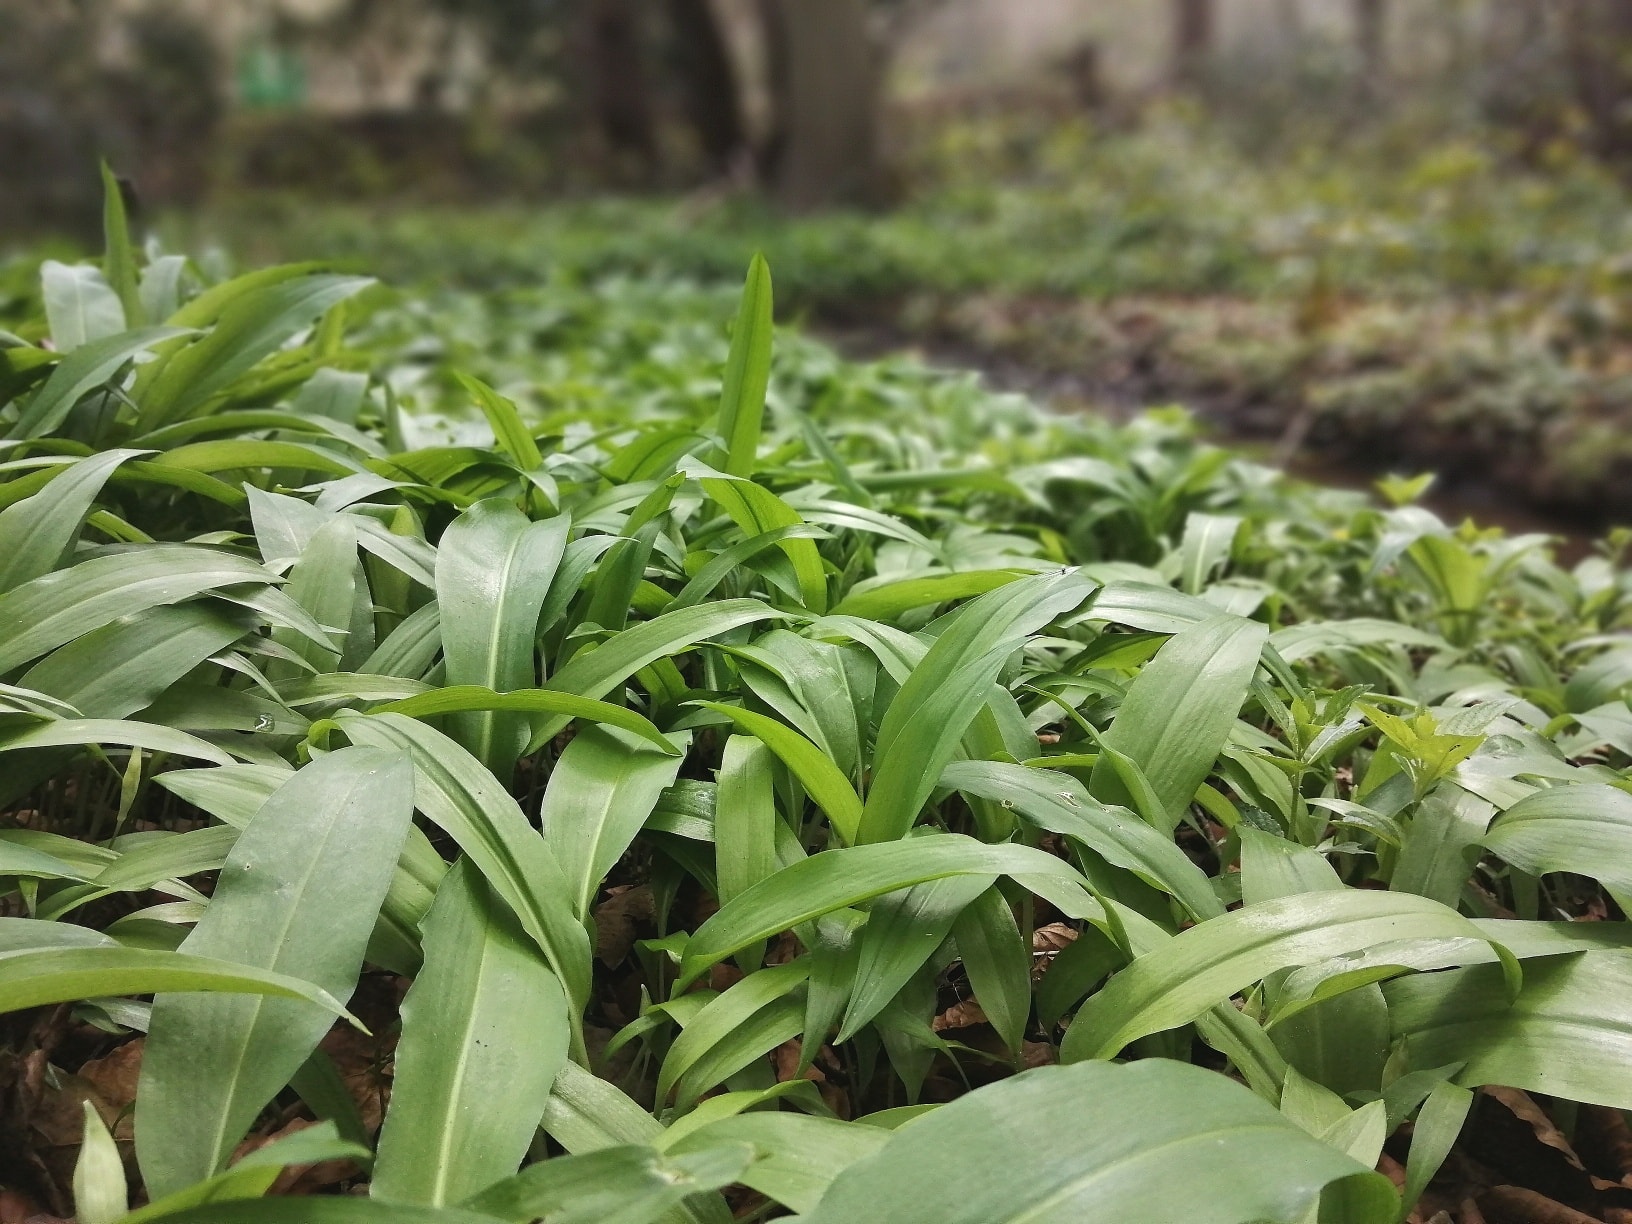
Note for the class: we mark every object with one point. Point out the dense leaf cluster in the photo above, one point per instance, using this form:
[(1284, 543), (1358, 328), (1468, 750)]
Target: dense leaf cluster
[(725, 771)]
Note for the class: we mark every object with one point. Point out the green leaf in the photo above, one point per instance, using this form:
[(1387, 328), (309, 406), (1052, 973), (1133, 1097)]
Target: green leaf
[(254, 1174), (799, 1156), (595, 673), (1058, 803), (747, 371), (82, 371), (323, 582), (100, 1194), (744, 817), (58, 607), (300, 893), (587, 1114), (466, 801), (1179, 710), (722, 563), (503, 417), (712, 1046), (946, 690), (903, 931), (251, 325), (119, 256), (1114, 1137), (600, 793), (318, 1210), (36, 532), (484, 1030), (624, 1183), (888, 600), (1567, 1034), (466, 697), (1213, 960), (1437, 1128), (835, 879), (1585, 829), (493, 570), (39, 977), (80, 306), (998, 962), (816, 772), (78, 732)]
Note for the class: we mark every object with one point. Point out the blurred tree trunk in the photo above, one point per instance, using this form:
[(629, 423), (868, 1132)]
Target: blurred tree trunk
[(708, 78), (619, 93), (1195, 27), (1599, 40), (826, 81), (1371, 39)]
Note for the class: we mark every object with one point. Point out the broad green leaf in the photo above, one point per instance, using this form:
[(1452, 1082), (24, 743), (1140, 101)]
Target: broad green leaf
[(587, 1114), (466, 697), (466, 801), (58, 607), (128, 664), (745, 817), (816, 772), (484, 1013), (1436, 1130), (903, 931), (38, 977), (888, 600), (36, 532), (600, 793), (1585, 829), (1058, 803), (1568, 1034), (1178, 713), (315, 1209), (799, 1156), (80, 306), (1441, 844), (998, 962), (835, 879), (505, 420), (719, 567), (930, 714), (299, 894), (253, 1174), (1213, 960), (595, 673), (251, 324), (1114, 1138), (78, 732), (747, 372), (758, 511), (82, 371), (493, 570), (703, 1054), (322, 582), (232, 794), (624, 1183)]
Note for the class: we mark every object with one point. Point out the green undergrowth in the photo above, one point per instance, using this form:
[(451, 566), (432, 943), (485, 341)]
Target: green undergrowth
[(1429, 303), (524, 755)]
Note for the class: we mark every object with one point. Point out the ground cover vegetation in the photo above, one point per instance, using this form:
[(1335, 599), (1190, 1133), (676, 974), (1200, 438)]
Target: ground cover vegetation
[(1432, 296), (520, 754)]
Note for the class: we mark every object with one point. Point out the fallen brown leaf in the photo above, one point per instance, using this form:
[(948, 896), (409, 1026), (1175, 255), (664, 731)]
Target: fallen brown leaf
[(966, 1014), (115, 1074), (618, 919)]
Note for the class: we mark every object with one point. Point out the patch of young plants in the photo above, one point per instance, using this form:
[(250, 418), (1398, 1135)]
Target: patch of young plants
[(475, 758)]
